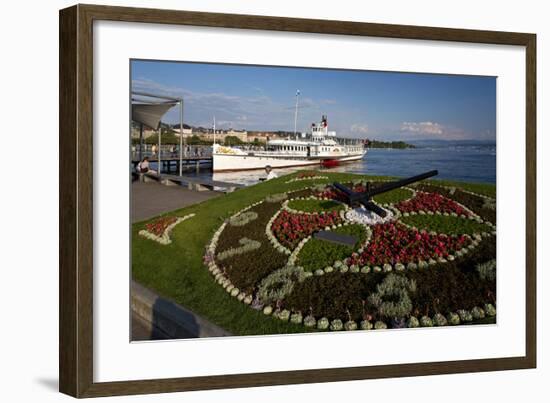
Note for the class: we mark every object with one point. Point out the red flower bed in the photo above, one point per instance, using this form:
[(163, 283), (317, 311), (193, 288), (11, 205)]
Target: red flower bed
[(158, 226), (307, 174), (394, 243), (291, 228), (335, 194), (431, 202)]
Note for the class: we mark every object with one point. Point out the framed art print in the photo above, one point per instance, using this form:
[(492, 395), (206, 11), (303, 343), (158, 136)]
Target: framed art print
[(250, 200)]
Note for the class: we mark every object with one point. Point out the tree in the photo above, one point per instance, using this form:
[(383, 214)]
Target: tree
[(194, 140), (232, 141)]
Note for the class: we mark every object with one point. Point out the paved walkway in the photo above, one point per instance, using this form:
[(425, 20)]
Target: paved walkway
[(150, 199), (142, 330), (155, 317)]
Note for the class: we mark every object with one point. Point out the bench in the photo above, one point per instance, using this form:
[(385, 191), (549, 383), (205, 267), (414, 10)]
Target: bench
[(198, 184), (145, 177)]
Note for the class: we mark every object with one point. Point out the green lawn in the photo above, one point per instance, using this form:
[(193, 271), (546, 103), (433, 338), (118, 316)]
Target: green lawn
[(393, 196), (448, 225), (486, 189), (317, 254), (176, 271), (314, 205)]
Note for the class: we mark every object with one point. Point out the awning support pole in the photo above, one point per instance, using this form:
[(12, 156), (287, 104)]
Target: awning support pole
[(141, 142), (159, 166), (181, 136)]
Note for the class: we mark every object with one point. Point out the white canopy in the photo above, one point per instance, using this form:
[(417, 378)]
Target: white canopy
[(150, 114)]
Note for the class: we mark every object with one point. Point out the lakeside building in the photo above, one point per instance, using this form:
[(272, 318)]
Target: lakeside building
[(220, 135)]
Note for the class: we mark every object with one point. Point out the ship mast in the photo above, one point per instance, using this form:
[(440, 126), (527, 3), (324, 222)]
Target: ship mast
[(296, 113), (214, 130)]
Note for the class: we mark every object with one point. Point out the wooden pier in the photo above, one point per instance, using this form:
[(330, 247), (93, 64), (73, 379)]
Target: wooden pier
[(170, 164)]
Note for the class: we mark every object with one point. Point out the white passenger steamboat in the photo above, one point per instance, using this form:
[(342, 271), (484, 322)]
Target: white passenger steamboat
[(319, 147)]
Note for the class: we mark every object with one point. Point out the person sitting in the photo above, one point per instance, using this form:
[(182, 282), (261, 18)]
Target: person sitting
[(270, 173), (143, 167)]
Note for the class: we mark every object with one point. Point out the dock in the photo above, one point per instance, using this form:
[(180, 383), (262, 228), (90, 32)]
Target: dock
[(171, 163)]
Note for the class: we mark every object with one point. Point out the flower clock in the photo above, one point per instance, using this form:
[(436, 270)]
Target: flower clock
[(430, 262)]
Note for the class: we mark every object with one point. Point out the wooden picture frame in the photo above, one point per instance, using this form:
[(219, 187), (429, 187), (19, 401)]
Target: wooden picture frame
[(76, 199)]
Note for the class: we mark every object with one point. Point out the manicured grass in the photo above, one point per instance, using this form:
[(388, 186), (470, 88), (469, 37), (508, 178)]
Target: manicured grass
[(486, 189), (314, 205), (317, 254), (393, 196), (176, 271), (446, 224)]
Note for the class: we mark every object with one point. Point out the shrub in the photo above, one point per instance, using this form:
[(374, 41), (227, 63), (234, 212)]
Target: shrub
[(296, 318), (487, 270), (309, 321), (322, 324), (276, 198), (453, 318), (280, 283), (350, 325), (380, 325), (413, 322), (247, 245), (243, 218), (283, 315), (247, 270), (319, 188), (489, 204), (366, 325), (490, 310), (426, 321), (336, 324), (392, 296), (464, 315), (478, 313), (439, 320)]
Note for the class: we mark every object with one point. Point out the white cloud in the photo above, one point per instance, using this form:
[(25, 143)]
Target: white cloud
[(359, 128), (434, 130), (422, 127), (256, 112)]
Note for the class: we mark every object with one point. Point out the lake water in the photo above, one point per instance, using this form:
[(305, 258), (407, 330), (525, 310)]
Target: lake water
[(460, 162)]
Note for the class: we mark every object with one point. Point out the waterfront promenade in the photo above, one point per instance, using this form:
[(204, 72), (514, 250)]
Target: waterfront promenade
[(150, 199)]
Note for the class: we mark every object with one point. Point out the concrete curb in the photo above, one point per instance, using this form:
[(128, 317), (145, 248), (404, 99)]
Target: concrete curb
[(172, 319)]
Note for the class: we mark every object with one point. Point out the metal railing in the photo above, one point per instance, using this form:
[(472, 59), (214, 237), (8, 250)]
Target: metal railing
[(171, 151)]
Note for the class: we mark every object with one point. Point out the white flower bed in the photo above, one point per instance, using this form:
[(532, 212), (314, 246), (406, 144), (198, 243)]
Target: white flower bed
[(247, 245), (294, 211), (164, 239), (363, 216), (296, 251), (306, 179)]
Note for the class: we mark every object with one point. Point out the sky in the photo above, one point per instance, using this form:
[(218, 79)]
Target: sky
[(359, 104)]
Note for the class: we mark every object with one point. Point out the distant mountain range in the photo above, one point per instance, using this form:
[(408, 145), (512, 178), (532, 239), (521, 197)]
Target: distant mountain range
[(441, 142)]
